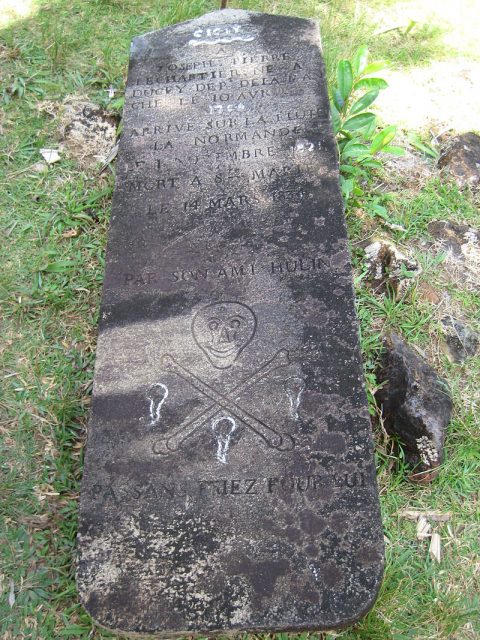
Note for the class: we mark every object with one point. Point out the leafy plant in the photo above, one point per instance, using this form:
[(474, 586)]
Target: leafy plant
[(356, 128)]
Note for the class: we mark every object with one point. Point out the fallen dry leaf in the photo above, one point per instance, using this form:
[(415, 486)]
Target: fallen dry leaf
[(423, 528), (70, 233), (11, 594), (435, 549), (436, 516), (41, 521), (50, 155)]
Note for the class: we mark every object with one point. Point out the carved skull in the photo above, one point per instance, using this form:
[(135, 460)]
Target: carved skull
[(222, 330)]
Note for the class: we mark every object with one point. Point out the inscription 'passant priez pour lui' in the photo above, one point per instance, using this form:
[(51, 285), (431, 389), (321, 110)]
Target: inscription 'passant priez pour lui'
[(272, 486)]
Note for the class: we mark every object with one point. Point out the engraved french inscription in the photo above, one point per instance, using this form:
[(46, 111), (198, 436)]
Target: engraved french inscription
[(229, 481)]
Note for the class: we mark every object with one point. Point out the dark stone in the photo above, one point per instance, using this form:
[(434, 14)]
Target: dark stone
[(460, 244), (455, 237), (462, 159), (416, 406), (460, 342), (229, 481)]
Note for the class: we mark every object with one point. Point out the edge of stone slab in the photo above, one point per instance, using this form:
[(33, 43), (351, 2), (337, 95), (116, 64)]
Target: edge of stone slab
[(223, 16), (233, 633)]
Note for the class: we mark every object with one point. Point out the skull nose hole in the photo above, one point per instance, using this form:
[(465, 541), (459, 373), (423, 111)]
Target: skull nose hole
[(224, 335)]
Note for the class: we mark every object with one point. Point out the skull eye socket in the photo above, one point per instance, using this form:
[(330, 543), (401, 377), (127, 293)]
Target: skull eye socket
[(213, 325), (235, 323)]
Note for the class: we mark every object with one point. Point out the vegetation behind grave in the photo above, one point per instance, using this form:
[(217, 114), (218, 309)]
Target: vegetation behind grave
[(53, 222)]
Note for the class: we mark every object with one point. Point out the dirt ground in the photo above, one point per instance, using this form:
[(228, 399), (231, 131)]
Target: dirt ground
[(444, 94), (440, 97)]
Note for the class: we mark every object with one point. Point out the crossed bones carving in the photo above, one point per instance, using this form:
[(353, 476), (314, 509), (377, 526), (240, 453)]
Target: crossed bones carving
[(227, 402)]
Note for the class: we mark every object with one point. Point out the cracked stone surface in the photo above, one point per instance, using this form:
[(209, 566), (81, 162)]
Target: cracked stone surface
[(88, 131), (460, 341), (461, 157), (416, 406), (229, 480), (460, 243)]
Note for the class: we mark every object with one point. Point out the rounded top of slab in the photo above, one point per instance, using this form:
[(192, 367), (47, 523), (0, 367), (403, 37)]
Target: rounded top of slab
[(223, 16)]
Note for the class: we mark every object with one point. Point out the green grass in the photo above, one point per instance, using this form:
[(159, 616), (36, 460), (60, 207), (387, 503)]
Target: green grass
[(50, 289)]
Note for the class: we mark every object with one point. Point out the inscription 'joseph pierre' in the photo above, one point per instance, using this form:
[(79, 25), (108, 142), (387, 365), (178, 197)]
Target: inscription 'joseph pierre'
[(229, 482)]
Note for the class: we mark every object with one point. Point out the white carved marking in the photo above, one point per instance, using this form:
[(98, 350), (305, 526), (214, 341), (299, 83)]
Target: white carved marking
[(229, 108), (157, 394), (219, 35), (294, 387), (195, 43), (223, 436), (305, 146)]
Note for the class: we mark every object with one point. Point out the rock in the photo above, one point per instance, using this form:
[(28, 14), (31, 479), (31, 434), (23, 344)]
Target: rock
[(460, 342), (416, 406), (462, 159), (454, 236), (461, 244), (389, 269), (88, 132)]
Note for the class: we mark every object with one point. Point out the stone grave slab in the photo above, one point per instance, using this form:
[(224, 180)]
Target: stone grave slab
[(229, 482)]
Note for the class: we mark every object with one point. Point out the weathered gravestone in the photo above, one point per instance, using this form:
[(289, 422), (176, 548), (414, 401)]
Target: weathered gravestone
[(229, 481)]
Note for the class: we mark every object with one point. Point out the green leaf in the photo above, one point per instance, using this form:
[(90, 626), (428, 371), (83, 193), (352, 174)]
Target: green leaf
[(353, 150), (379, 210), (424, 147), (410, 26), (338, 101), (382, 139), (365, 101), (360, 121), (58, 267), (349, 169), (395, 151), (71, 631), (373, 67), (371, 83), (359, 61), (369, 131), (346, 136), (344, 78), (346, 186), (370, 162), (335, 118)]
